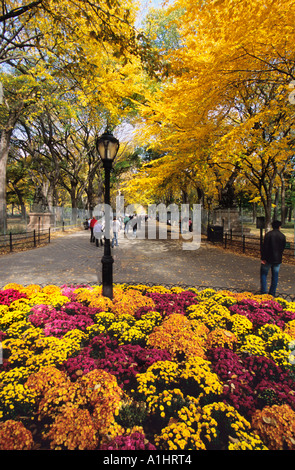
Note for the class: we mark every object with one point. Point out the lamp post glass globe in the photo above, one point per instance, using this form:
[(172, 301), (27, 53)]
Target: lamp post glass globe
[(107, 146)]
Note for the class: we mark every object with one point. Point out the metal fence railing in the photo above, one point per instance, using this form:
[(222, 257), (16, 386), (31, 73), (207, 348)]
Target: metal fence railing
[(250, 244), (15, 241)]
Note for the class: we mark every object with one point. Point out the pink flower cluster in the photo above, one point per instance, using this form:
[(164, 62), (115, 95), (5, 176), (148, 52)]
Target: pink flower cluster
[(133, 441), (101, 343), (128, 360), (10, 295), (260, 313), (252, 382), (166, 304), (124, 362), (80, 365), (68, 290), (88, 358), (58, 322)]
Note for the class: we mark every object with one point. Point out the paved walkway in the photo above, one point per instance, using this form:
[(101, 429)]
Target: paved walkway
[(72, 259)]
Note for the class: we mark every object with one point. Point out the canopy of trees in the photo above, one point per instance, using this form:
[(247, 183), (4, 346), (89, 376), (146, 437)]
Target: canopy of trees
[(206, 85), (222, 120), (69, 69)]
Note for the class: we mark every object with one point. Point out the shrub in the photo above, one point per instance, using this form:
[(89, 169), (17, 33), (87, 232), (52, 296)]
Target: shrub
[(7, 296), (178, 336), (276, 426), (132, 441), (72, 430), (170, 369), (14, 436)]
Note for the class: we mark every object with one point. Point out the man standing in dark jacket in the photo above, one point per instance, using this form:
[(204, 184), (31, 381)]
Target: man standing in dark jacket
[(271, 257)]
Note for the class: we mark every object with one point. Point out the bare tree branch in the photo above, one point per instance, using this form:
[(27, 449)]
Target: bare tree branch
[(19, 11)]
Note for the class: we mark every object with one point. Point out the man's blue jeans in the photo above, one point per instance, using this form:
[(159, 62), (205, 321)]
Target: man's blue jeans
[(274, 277), (115, 239)]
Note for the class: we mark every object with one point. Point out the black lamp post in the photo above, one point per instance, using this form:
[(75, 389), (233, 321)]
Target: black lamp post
[(107, 146)]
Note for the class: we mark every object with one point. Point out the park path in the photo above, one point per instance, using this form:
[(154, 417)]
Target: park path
[(72, 259)]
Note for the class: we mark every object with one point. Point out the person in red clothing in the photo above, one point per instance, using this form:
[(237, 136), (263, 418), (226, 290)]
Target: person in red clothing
[(92, 223)]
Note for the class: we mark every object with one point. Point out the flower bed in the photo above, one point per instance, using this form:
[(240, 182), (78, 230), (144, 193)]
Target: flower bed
[(153, 369)]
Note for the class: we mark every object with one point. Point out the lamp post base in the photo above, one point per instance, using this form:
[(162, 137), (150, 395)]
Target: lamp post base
[(107, 276)]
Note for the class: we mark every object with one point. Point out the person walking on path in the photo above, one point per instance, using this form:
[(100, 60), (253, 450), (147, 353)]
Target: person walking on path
[(134, 225), (91, 225), (126, 220), (271, 257), (97, 233), (116, 228)]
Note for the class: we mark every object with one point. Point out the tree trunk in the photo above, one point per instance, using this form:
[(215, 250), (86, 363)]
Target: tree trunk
[(276, 209), (267, 208), (283, 202), (21, 201), (4, 147), (184, 196), (90, 197), (74, 201), (6, 133), (254, 212)]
